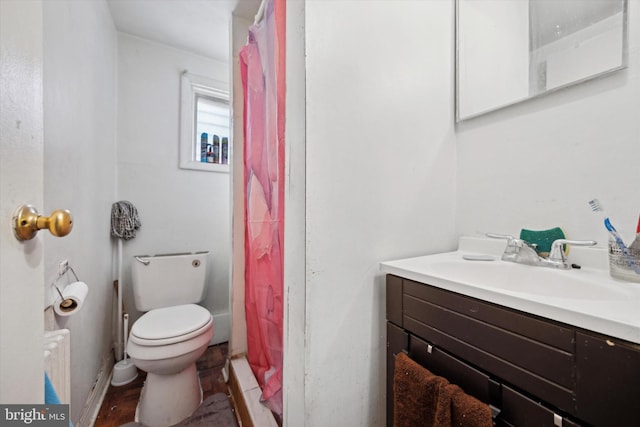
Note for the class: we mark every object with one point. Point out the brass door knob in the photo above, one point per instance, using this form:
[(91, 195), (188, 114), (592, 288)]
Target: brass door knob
[(27, 222)]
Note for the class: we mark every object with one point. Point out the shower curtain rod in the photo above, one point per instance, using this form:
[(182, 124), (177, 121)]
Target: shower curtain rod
[(260, 13)]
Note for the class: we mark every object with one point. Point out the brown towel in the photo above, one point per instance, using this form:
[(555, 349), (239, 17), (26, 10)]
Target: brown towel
[(467, 411), (420, 398), (423, 399)]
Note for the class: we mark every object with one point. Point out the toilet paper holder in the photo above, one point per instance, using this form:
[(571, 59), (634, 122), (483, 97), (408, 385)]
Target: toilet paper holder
[(66, 302)]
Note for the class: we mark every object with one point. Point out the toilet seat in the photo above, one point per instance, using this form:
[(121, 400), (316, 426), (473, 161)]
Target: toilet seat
[(170, 325)]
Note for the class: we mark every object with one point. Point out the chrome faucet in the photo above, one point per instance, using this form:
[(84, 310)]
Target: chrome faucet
[(522, 252)]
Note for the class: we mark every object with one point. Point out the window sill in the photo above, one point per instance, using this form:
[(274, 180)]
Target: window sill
[(200, 166)]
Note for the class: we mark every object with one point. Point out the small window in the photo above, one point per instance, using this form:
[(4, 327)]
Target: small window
[(205, 123)]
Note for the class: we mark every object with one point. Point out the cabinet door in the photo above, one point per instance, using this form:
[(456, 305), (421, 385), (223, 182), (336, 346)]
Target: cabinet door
[(608, 381), (397, 341)]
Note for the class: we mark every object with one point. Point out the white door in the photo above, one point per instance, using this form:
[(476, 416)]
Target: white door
[(21, 182)]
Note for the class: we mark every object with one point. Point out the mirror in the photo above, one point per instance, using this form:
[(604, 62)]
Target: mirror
[(510, 51)]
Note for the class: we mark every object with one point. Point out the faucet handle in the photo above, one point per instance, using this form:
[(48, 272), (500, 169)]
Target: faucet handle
[(513, 245), (512, 242), (502, 236), (557, 247)]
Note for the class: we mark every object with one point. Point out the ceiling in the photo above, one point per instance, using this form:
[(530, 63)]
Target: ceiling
[(198, 26)]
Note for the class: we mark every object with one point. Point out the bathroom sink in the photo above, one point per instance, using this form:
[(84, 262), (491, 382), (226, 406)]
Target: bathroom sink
[(587, 297), (523, 280)]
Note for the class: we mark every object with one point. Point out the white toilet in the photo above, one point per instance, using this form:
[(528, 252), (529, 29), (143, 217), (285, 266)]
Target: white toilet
[(173, 333)]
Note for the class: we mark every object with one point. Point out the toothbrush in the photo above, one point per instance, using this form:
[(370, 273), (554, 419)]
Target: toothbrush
[(597, 207)]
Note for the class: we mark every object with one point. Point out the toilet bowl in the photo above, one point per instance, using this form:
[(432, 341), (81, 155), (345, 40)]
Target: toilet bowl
[(166, 342)]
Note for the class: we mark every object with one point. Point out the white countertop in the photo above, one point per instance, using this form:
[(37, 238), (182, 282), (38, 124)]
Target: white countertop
[(588, 298)]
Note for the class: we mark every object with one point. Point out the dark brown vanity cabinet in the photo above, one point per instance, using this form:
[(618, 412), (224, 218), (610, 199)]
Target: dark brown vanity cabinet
[(532, 371)]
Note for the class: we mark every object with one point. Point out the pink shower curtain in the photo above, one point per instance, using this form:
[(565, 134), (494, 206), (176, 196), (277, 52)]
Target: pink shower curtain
[(262, 69)]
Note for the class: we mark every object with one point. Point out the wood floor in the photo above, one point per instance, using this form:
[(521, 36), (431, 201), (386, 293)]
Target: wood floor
[(119, 405)]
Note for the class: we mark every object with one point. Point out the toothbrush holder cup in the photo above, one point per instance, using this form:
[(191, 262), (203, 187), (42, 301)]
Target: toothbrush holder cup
[(619, 262)]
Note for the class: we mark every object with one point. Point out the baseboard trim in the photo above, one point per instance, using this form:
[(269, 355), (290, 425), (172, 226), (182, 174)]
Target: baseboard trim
[(98, 392), (245, 393)]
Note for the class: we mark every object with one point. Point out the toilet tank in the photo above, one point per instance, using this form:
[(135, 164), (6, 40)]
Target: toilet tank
[(167, 280)]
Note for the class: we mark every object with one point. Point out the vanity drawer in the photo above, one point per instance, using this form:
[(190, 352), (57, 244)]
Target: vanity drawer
[(471, 380), (542, 330), (553, 393), (539, 358), (519, 410)]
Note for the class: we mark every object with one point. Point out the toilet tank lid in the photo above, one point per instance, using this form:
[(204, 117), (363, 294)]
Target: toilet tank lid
[(168, 322)]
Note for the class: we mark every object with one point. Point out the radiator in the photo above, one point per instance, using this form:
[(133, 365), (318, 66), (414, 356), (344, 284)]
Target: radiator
[(57, 362)]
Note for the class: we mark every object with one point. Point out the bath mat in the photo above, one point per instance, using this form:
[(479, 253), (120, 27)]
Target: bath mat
[(214, 411)]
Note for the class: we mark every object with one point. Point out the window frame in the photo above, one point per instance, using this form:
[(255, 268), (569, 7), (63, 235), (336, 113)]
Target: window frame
[(192, 86)]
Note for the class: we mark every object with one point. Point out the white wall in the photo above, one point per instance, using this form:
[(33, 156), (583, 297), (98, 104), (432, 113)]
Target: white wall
[(181, 210), (79, 171), (537, 164), (295, 269), (380, 184), (21, 157)]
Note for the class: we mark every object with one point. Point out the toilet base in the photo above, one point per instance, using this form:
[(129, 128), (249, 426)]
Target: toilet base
[(166, 400)]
